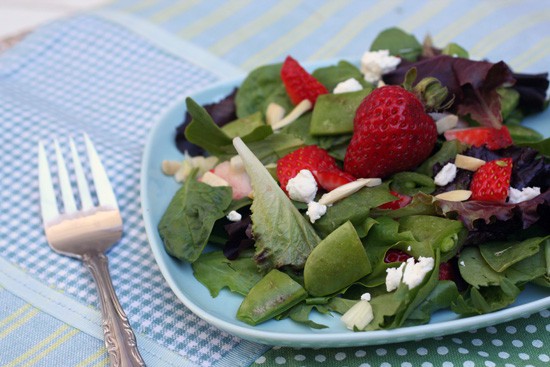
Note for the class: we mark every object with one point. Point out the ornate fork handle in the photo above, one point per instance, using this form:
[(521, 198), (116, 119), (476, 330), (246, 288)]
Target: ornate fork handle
[(119, 337)]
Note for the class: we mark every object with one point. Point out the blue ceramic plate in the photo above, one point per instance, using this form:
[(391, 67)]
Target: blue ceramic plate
[(157, 191)]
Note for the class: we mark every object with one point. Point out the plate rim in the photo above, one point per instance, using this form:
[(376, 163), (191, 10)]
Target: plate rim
[(255, 334)]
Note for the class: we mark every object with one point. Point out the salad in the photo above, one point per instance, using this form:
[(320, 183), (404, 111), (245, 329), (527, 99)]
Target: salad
[(381, 192)]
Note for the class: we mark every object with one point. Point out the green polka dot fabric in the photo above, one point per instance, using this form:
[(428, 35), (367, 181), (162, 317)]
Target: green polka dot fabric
[(524, 342)]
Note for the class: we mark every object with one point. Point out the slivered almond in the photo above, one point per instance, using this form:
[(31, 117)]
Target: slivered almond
[(455, 195), (236, 163), (446, 123), (214, 180), (298, 111), (170, 167), (346, 190), (274, 113), (468, 163)]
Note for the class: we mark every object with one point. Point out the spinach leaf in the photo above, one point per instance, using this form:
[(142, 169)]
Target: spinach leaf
[(500, 255), (441, 297), (330, 76), (188, 221), (399, 43), (283, 236), (216, 272)]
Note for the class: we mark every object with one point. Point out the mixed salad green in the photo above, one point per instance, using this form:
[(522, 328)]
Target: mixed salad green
[(288, 266)]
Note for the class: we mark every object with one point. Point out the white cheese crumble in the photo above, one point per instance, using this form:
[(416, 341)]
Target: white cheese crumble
[(348, 85), (302, 187), (446, 175), (393, 277), (416, 271), (315, 211), (527, 193), (366, 297), (462, 263), (410, 272), (234, 216), (374, 64)]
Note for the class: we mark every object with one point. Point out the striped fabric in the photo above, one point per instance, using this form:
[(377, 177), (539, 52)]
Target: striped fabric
[(249, 33)]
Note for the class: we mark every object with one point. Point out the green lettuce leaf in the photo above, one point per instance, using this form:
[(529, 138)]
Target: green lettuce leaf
[(283, 236)]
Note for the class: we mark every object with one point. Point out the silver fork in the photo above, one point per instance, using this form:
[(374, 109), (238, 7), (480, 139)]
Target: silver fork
[(87, 233)]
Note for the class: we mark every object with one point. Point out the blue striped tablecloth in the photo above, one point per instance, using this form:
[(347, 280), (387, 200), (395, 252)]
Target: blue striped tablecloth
[(111, 73)]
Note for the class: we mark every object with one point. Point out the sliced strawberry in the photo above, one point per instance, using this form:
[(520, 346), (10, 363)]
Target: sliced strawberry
[(329, 180), (491, 181), (393, 255), (402, 200), (299, 83), (318, 161), (491, 137)]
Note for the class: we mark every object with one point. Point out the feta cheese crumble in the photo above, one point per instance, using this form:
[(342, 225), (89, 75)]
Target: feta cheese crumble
[(234, 216), (527, 193), (302, 187), (315, 211), (348, 85), (446, 175), (410, 272), (374, 64)]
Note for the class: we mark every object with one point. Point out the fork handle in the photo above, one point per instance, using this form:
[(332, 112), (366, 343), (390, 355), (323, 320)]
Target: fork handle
[(119, 337)]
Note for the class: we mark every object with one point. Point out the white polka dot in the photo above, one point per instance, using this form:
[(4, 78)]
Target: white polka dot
[(385, 364), (277, 347), (364, 365), (473, 331), (523, 356), (320, 358), (531, 328), (497, 342), (468, 364), (511, 329), (300, 357), (483, 354), (406, 364), (280, 360), (422, 351), (427, 364), (544, 358), (463, 351), (503, 355), (457, 340), (360, 353), (442, 350), (545, 313), (548, 327), (490, 364), (381, 352), (447, 364), (510, 365), (517, 343), (477, 342), (491, 330), (401, 351), (260, 360), (537, 343), (340, 356)]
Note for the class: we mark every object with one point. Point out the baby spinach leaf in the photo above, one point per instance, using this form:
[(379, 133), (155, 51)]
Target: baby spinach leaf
[(216, 272), (330, 76), (441, 297), (500, 255), (188, 221), (399, 43), (411, 183), (283, 236)]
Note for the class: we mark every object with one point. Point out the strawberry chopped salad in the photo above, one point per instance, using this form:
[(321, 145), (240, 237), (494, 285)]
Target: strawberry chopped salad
[(382, 192)]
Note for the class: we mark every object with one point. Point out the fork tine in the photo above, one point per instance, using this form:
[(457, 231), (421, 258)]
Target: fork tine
[(83, 189), (64, 183), (48, 203), (103, 187)]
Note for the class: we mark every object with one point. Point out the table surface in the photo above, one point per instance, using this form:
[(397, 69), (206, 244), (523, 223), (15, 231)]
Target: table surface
[(111, 68)]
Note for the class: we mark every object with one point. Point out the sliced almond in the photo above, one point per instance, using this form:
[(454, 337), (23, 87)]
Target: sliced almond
[(236, 163), (170, 167), (346, 190), (468, 163), (455, 195), (214, 180), (446, 123), (274, 113), (298, 111)]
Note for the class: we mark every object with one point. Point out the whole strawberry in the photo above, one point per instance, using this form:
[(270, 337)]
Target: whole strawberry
[(317, 160), (392, 133), (491, 181)]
